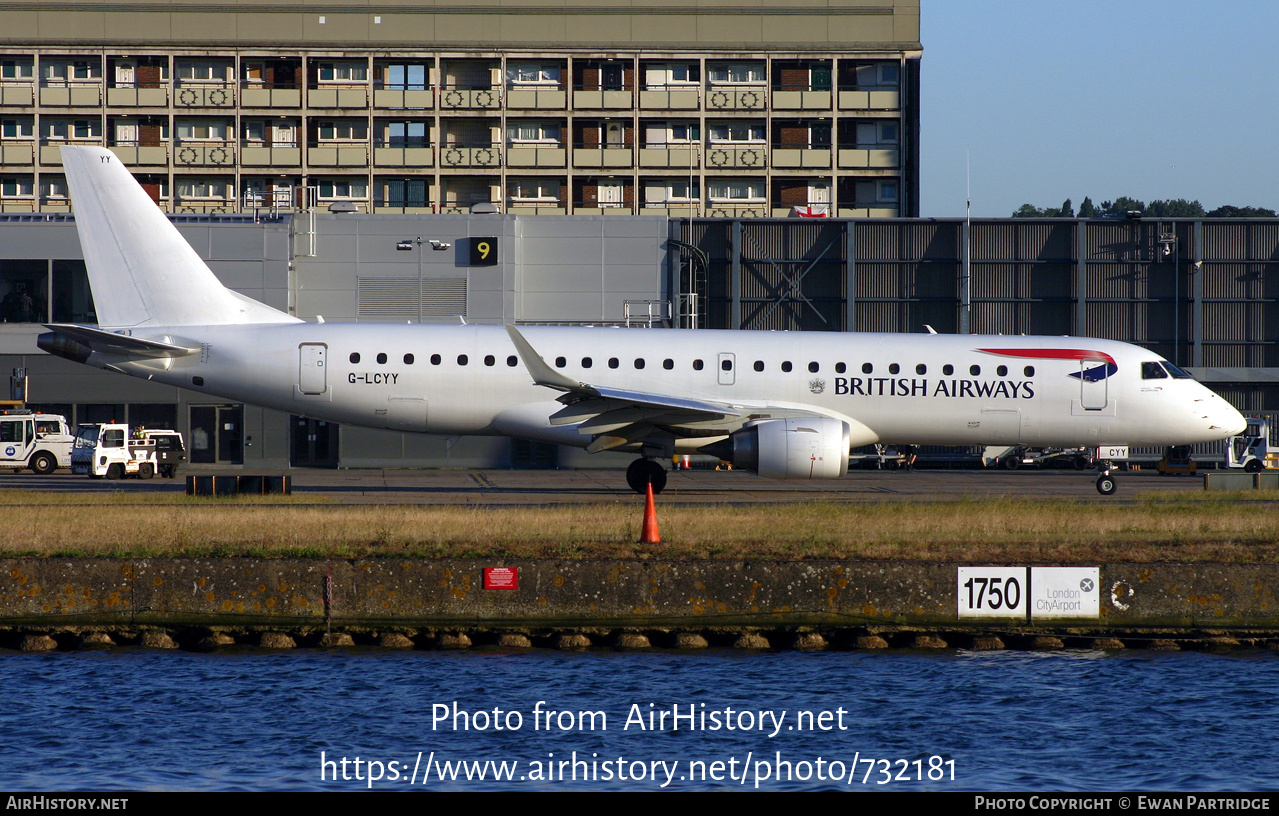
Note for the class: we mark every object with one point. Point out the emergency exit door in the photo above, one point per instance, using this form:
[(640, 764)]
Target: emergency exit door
[(312, 373)]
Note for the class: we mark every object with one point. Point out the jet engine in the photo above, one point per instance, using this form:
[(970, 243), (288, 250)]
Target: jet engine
[(797, 448)]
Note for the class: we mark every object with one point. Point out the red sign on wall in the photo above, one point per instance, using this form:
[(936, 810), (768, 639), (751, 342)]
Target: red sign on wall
[(501, 578)]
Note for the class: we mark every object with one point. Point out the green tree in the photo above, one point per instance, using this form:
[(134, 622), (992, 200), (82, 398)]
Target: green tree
[(1067, 210), (1175, 208), (1086, 208), (1028, 211), (1229, 211)]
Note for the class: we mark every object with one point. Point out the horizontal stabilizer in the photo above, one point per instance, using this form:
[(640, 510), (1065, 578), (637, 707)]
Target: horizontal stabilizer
[(105, 342)]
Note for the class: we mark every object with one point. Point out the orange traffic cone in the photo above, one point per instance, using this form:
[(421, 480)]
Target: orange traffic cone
[(648, 533)]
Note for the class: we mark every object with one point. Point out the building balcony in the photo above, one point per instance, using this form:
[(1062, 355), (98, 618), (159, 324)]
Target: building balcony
[(415, 99), (273, 155), (869, 157), (601, 208), (131, 97), (518, 207), (254, 96), (338, 155), (733, 209), (404, 156), (736, 157), (51, 152), (526, 155), (471, 99), (202, 205), (347, 98), (139, 155), (208, 95), (801, 99), (814, 209), (875, 210), (523, 97), (463, 156), (677, 209), (869, 100), (18, 94), (804, 158), (672, 157), (22, 153), (670, 99), (81, 95), (204, 154), (402, 209), (750, 97), (18, 204), (590, 99), (596, 156), (55, 204)]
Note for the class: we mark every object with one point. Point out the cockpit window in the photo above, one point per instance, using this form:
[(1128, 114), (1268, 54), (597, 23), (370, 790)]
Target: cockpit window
[(1153, 371), (1177, 373)]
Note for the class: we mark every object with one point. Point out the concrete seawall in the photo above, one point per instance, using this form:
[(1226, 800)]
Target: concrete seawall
[(56, 602)]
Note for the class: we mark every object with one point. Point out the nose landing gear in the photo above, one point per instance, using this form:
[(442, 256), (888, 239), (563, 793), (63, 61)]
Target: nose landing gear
[(643, 472), (1106, 485)]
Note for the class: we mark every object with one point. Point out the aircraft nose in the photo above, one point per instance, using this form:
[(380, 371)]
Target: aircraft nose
[(1229, 420)]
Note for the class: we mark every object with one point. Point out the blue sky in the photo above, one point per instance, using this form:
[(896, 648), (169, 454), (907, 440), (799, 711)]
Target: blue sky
[(1056, 100)]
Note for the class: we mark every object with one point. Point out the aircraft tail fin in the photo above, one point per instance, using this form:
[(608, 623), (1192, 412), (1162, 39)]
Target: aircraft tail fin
[(141, 270)]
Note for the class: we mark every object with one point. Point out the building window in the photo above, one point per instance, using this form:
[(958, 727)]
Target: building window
[(202, 130), (407, 134), (201, 71), (16, 129), (743, 74), (659, 134), (736, 132), (736, 190), (533, 73), (343, 131), (532, 131), (215, 189), (535, 189), (343, 72), (671, 190), (886, 191), (659, 75), (12, 69), (404, 77), (70, 129), (406, 192), (343, 190), (15, 187)]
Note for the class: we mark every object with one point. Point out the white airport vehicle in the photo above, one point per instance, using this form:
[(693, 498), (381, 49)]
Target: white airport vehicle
[(1251, 450), (41, 442), (787, 405), (109, 450)]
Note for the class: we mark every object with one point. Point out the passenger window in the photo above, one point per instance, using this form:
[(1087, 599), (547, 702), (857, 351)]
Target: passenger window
[(786, 366), (461, 359), (840, 368), (613, 363), (668, 364), (489, 359), (639, 362), (560, 362), (355, 356), (893, 368), (512, 361), (408, 359), (759, 365), (974, 370), (381, 358), (697, 365), (1029, 371), (867, 368), (948, 369), (1002, 371), (435, 359), (813, 368), (726, 364), (921, 369), (1153, 371), (586, 362)]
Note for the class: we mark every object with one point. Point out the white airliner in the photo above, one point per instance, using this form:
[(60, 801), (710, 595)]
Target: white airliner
[(788, 405)]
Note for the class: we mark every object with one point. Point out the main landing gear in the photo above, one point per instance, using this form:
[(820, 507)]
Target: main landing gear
[(643, 472)]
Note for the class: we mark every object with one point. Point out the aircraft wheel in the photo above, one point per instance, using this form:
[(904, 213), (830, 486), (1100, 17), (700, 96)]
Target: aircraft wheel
[(1106, 484), (642, 472), (146, 470), (1254, 466), (43, 463), (115, 471)]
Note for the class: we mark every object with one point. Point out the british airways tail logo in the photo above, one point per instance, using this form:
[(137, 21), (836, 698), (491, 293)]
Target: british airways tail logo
[(1106, 367)]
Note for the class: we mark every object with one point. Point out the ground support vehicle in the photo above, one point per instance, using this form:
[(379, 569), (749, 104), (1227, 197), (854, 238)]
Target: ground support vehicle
[(1251, 450), (108, 450), (41, 442)]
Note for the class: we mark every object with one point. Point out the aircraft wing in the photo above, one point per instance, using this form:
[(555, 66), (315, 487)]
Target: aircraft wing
[(619, 416), (111, 343)]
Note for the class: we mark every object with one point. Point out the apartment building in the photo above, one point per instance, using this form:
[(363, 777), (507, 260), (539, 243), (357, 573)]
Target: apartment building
[(701, 109)]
